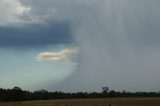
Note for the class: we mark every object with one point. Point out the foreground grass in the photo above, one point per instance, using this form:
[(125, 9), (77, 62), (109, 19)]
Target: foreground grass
[(89, 102)]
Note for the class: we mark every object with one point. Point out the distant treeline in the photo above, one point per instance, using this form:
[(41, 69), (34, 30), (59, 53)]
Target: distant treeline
[(17, 94)]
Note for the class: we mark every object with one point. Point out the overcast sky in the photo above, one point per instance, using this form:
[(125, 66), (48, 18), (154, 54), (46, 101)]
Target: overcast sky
[(80, 45)]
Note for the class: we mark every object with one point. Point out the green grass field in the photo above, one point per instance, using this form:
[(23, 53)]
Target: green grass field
[(89, 102)]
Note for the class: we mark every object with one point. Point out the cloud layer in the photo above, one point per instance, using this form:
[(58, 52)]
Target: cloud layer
[(63, 55), (118, 39), (12, 12), (34, 36), (24, 25)]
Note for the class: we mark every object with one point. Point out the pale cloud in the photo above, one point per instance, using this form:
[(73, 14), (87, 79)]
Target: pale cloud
[(17, 13), (12, 12), (66, 54)]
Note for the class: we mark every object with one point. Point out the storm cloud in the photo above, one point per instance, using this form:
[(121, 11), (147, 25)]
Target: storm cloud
[(119, 44), (35, 35), (118, 40)]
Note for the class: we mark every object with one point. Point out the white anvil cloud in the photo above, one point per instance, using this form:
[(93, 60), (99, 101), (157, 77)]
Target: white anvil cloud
[(64, 55)]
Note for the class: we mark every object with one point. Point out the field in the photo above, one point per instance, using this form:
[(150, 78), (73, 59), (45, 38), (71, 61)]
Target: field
[(89, 102)]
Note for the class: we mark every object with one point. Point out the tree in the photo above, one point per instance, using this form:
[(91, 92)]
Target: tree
[(105, 90), (17, 88)]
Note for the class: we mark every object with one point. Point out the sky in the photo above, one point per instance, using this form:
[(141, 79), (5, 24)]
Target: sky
[(80, 45)]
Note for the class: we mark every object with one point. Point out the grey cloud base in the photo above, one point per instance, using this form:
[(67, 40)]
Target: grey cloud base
[(35, 35)]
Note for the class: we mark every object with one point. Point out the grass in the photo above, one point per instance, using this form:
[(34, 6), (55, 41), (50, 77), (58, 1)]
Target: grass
[(89, 102)]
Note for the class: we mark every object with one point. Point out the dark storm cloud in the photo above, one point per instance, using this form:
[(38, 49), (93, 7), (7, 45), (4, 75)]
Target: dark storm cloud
[(35, 35), (118, 40)]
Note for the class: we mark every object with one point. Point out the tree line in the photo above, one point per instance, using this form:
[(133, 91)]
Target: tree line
[(17, 94)]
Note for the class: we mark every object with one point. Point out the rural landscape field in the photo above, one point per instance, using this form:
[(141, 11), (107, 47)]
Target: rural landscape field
[(90, 102)]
